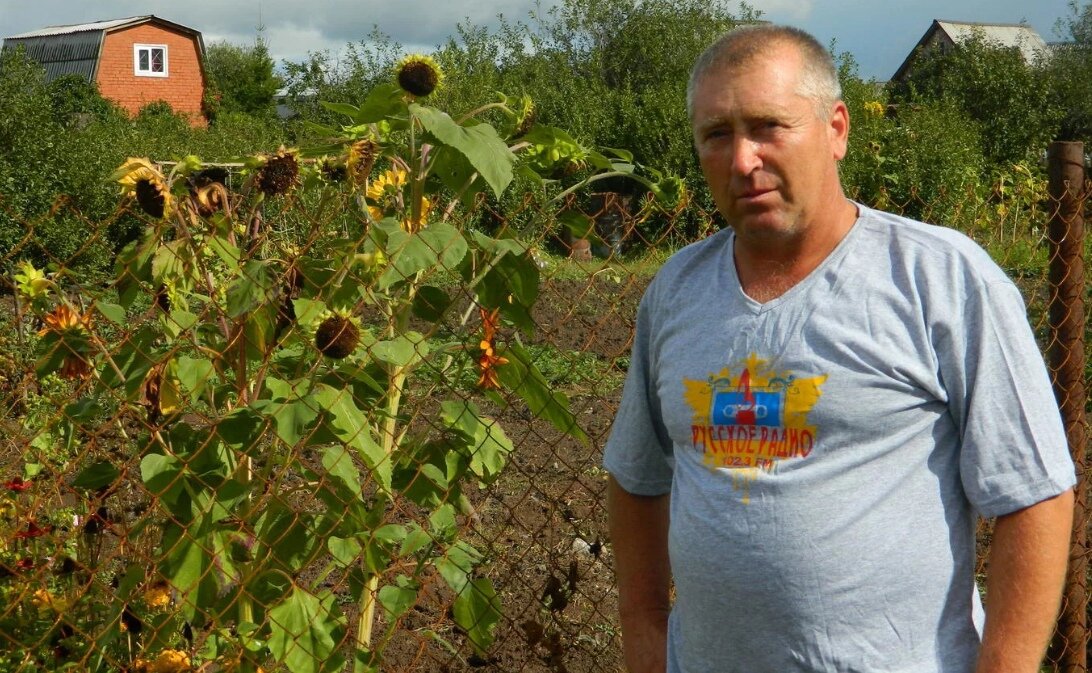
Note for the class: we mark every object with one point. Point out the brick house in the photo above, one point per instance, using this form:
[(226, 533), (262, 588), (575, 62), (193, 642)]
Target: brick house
[(134, 61)]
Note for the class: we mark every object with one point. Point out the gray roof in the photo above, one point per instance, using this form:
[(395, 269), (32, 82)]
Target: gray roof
[(79, 27), (76, 54), (1018, 35), (74, 48)]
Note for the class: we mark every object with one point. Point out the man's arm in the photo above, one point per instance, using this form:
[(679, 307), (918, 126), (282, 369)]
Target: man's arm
[(638, 533), (1028, 557)]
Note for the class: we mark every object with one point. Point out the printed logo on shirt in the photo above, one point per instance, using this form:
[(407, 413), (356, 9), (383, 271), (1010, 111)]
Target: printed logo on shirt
[(748, 417)]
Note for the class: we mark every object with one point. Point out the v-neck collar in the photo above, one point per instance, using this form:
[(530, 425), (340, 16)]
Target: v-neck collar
[(836, 255)]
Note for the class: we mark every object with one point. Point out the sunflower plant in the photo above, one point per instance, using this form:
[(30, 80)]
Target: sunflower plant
[(283, 433)]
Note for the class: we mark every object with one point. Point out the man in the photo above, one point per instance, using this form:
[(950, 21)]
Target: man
[(821, 400)]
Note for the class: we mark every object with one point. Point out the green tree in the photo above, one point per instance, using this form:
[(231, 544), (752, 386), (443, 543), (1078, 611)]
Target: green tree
[(1069, 69), (242, 77), (348, 78), (59, 141), (993, 85), (614, 72), (77, 100)]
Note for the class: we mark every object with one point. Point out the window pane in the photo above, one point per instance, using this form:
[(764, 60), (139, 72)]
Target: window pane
[(142, 60), (157, 60)]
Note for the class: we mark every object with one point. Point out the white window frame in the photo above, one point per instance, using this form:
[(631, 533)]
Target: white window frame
[(137, 48)]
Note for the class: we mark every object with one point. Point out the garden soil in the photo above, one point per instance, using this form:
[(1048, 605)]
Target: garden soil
[(543, 523)]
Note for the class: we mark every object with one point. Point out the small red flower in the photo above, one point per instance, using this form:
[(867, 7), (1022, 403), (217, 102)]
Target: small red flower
[(33, 530), (25, 563), (17, 484)]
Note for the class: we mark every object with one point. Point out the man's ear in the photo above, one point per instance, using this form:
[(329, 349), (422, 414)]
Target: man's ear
[(838, 128)]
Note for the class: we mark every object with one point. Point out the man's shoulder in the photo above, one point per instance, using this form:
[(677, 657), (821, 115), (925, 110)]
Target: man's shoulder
[(695, 259), (925, 245)]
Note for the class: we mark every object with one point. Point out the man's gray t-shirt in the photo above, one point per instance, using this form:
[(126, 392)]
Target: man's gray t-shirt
[(826, 452)]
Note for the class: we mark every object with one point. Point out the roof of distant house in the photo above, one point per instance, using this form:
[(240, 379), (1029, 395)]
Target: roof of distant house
[(74, 48), (1019, 35)]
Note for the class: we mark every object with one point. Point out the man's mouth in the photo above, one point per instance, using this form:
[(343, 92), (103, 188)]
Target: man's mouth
[(754, 193)]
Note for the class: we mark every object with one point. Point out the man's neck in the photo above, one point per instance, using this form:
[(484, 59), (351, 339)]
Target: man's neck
[(769, 269)]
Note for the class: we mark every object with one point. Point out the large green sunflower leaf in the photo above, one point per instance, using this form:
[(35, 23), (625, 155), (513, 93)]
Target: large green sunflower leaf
[(305, 631), (480, 144)]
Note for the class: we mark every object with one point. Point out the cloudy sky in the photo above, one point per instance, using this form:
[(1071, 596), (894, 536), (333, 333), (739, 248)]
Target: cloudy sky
[(879, 33)]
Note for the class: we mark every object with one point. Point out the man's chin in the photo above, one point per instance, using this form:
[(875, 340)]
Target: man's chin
[(771, 226)]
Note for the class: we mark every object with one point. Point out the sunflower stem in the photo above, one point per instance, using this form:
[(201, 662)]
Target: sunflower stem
[(595, 178), (416, 178), (389, 432), (477, 111)]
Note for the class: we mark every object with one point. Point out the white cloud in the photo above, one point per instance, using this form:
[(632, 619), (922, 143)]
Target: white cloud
[(332, 22), (877, 33), (291, 28)]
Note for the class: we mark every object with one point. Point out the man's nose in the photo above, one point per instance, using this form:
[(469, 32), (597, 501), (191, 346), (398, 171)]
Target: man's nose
[(745, 155)]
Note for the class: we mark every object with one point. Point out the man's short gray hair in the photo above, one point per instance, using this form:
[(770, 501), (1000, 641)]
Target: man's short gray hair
[(818, 79)]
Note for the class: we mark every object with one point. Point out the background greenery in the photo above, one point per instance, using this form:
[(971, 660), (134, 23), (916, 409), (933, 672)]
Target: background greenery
[(965, 129)]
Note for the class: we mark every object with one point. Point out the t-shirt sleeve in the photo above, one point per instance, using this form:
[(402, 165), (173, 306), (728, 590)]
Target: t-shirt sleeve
[(1014, 450), (638, 453)]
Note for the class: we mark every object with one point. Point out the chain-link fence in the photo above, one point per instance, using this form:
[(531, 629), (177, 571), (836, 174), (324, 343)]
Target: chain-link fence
[(286, 434)]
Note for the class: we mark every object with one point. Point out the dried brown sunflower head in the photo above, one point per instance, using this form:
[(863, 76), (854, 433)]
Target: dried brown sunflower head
[(211, 175), (151, 197), (333, 170), (419, 75), (210, 199), (141, 179), (362, 156), (279, 173), (337, 336)]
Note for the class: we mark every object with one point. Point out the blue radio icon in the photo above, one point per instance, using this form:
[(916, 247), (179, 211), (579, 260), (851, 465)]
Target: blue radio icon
[(732, 408)]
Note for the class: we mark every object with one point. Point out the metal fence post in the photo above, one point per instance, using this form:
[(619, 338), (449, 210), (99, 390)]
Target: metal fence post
[(1065, 165)]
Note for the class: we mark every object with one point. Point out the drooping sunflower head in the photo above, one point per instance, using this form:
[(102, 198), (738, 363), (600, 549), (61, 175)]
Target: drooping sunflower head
[(419, 75), (70, 332), (333, 169), (279, 172), (139, 178), (338, 335), (211, 175), (210, 199), (362, 156), (526, 115)]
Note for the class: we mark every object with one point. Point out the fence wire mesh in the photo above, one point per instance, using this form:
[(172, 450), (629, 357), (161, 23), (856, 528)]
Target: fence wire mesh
[(254, 447)]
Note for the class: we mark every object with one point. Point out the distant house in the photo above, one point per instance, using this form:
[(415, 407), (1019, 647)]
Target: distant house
[(947, 35), (134, 61), (286, 101)]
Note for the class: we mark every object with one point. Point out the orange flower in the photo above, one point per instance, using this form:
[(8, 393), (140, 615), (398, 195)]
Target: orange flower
[(158, 595), (168, 661), (63, 318), (72, 331), (489, 360)]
